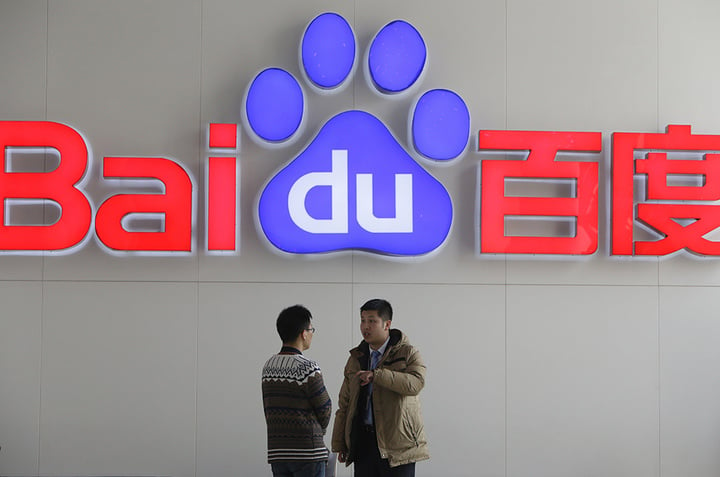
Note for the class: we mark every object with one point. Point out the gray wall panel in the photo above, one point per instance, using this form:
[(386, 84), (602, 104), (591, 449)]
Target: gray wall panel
[(149, 365)]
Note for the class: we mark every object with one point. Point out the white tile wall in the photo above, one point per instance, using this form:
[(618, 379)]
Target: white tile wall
[(688, 90), (689, 383), (582, 66), (582, 380), (20, 371), (119, 372), (23, 24)]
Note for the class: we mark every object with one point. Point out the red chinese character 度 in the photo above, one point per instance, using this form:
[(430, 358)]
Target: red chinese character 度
[(672, 211)]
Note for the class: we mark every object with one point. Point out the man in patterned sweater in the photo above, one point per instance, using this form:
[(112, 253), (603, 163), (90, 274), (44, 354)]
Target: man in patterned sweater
[(297, 405)]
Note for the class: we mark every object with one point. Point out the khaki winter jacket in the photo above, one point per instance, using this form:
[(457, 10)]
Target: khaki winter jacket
[(398, 378)]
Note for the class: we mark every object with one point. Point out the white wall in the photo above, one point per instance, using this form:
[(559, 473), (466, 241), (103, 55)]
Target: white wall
[(150, 365)]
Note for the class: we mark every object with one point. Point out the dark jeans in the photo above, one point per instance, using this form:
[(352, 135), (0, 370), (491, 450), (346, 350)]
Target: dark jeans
[(368, 462), (298, 469)]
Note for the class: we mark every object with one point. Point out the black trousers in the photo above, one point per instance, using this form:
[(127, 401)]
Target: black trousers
[(368, 462)]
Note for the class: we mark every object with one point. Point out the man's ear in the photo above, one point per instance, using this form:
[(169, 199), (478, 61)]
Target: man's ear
[(387, 324)]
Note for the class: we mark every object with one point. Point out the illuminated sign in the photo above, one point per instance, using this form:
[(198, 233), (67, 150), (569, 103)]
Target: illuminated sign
[(63, 187), (355, 185), (58, 186), (581, 207), (678, 202)]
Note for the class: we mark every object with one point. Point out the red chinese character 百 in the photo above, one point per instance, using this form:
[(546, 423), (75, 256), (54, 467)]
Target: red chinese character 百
[(541, 164), (680, 214)]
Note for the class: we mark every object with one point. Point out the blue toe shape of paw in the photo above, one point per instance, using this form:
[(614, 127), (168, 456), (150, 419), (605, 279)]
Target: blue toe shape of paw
[(397, 57), (274, 105), (440, 125), (328, 50)]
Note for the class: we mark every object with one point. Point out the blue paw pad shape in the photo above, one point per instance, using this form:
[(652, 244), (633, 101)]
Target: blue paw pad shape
[(355, 187)]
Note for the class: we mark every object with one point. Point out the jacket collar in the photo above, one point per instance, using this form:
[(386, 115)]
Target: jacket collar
[(363, 349)]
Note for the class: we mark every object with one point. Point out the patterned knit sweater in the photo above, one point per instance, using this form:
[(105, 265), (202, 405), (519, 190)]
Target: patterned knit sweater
[(297, 407)]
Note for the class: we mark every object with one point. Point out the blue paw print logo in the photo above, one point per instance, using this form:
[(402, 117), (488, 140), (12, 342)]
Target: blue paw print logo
[(354, 186)]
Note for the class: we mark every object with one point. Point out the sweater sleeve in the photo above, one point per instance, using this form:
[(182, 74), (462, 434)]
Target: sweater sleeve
[(320, 400)]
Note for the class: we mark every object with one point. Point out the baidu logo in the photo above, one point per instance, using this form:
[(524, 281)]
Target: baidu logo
[(355, 186)]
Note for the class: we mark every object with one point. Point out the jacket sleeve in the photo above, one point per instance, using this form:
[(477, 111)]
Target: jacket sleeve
[(408, 381), (320, 400), (338, 443)]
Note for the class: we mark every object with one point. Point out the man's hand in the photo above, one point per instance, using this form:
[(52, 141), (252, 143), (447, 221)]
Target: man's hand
[(342, 457), (365, 377)]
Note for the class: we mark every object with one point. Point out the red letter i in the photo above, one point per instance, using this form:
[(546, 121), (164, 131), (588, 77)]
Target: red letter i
[(223, 182)]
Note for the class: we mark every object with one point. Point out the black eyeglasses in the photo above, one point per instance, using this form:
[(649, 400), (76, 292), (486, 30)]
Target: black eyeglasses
[(311, 330)]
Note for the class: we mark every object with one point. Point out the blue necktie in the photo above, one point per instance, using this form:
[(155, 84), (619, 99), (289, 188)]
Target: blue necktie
[(374, 359)]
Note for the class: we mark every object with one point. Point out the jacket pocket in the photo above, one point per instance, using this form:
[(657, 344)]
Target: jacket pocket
[(410, 424)]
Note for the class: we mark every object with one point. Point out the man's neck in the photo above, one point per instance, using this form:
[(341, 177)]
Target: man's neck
[(377, 348), (297, 344)]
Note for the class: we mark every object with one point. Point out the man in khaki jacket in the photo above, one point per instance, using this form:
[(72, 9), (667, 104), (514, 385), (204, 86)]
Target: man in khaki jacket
[(378, 424)]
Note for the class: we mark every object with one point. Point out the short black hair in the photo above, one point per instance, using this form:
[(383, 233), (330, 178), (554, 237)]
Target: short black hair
[(292, 321), (383, 308)]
